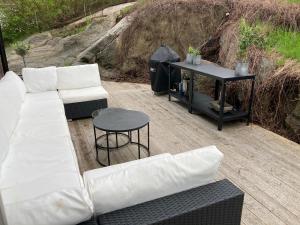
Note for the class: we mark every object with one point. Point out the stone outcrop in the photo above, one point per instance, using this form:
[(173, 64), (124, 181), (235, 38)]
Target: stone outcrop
[(103, 49), (61, 47)]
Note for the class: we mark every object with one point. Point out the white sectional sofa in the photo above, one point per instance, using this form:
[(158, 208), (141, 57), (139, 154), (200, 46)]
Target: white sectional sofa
[(40, 182), (79, 87)]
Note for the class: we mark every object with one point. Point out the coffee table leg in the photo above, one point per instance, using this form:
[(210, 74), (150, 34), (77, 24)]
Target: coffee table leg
[(148, 139), (139, 147), (107, 145), (117, 144), (96, 143)]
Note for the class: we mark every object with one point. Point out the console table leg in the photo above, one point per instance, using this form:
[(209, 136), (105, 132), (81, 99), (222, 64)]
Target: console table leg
[(191, 93), (217, 89), (250, 102), (222, 103)]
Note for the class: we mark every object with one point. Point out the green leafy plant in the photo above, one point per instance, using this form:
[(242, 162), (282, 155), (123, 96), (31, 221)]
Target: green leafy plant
[(21, 49), (193, 51), (249, 35)]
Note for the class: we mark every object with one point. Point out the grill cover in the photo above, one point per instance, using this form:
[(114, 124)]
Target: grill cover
[(159, 70)]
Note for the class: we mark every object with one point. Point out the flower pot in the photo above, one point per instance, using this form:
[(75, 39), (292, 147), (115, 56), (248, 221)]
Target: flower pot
[(185, 86), (197, 60), (244, 68), (238, 68), (189, 59)]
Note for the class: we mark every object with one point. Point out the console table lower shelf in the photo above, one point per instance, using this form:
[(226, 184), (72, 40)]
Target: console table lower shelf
[(201, 104)]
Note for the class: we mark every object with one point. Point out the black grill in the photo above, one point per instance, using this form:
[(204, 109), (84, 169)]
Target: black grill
[(159, 69)]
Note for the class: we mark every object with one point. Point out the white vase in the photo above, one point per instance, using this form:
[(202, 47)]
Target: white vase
[(244, 69), (197, 60), (189, 58), (184, 85)]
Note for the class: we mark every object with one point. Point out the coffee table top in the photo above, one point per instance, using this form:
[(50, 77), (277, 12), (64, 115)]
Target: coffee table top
[(120, 120)]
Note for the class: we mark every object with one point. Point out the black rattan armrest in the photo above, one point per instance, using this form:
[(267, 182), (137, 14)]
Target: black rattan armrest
[(218, 203)]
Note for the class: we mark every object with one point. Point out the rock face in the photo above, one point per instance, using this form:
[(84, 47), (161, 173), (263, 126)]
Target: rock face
[(61, 47), (104, 48), (178, 25), (127, 47)]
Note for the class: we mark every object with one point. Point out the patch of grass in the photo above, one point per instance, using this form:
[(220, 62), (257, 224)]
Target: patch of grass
[(294, 1), (67, 31), (266, 36), (125, 12), (285, 42)]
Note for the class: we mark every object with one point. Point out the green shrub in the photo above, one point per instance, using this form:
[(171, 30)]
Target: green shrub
[(21, 18), (250, 35)]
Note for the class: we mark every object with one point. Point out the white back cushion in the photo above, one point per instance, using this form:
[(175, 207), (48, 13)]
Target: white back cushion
[(4, 148), (40, 79), (10, 101), (20, 86), (12, 94), (141, 182), (76, 77)]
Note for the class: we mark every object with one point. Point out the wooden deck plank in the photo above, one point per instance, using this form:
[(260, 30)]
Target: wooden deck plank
[(264, 165)]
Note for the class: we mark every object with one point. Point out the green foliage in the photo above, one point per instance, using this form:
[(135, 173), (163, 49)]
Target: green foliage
[(21, 18), (285, 42), (125, 12), (269, 37), (250, 35), (21, 48), (193, 51)]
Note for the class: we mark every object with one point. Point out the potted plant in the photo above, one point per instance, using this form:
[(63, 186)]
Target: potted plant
[(190, 55), (197, 57), (193, 56), (21, 49)]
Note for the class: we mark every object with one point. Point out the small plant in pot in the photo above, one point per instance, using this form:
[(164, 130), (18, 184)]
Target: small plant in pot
[(21, 49), (190, 55), (193, 56), (197, 57)]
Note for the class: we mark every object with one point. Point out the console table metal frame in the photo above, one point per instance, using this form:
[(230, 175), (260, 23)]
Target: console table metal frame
[(201, 102)]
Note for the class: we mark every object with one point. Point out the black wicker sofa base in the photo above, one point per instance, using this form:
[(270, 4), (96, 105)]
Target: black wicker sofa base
[(83, 109), (218, 203)]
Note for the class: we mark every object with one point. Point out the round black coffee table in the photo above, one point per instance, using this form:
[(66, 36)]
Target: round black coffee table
[(119, 122)]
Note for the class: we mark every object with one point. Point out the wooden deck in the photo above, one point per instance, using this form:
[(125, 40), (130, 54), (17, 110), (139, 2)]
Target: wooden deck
[(264, 165)]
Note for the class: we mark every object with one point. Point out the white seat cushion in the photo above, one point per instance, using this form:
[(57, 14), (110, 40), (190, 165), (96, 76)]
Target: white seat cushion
[(42, 96), (40, 79), (76, 77), (141, 182), (83, 95)]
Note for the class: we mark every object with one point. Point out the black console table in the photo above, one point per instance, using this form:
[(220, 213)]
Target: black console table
[(201, 102)]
